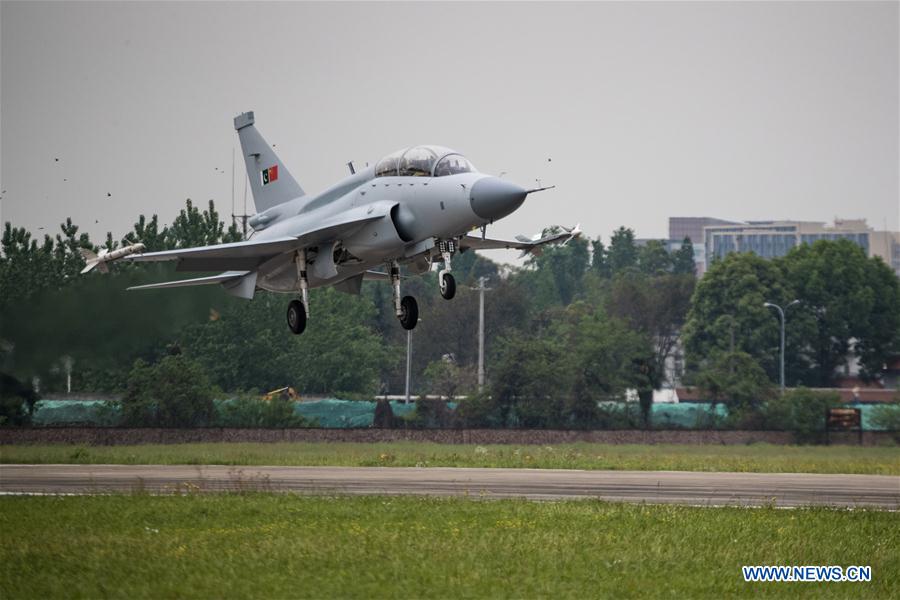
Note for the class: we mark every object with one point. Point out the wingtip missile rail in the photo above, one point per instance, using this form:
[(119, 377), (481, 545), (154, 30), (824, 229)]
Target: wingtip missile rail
[(101, 261)]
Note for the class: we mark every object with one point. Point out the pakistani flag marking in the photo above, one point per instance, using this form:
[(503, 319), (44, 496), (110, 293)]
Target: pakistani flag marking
[(269, 175)]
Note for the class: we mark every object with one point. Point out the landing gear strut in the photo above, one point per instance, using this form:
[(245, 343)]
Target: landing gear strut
[(406, 308), (445, 278), (298, 311)]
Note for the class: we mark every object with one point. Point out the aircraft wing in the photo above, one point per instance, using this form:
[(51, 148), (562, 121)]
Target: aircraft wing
[(243, 255), (221, 278), (526, 245), (247, 255)]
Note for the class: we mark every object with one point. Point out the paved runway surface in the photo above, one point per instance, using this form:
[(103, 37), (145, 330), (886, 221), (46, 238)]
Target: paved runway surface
[(743, 489)]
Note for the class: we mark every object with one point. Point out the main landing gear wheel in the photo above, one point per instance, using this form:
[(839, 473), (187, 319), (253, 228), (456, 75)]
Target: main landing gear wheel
[(448, 286), (409, 314), (296, 316)]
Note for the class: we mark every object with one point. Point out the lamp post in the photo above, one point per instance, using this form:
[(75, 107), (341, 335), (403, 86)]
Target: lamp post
[(481, 290), (781, 315)]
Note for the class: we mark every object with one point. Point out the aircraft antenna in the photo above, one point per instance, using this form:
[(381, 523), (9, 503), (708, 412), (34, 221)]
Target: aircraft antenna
[(243, 216)]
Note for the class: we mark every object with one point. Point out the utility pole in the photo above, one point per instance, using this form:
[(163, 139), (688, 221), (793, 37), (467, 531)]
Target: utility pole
[(781, 315), (481, 290)]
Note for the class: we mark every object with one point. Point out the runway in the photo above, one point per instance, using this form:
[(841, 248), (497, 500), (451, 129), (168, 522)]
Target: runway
[(693, 488)]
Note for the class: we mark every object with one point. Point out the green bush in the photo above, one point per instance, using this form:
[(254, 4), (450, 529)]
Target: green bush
[(16, 401), (888, 417), (175, 392), (253, 411), (431, 413), (802, 411)]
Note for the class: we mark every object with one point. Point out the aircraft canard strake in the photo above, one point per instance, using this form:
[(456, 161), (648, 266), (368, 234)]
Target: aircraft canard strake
[(415, 207)]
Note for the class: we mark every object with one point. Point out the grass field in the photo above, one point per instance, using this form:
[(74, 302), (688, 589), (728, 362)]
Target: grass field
[(750, 458), (278, 546)]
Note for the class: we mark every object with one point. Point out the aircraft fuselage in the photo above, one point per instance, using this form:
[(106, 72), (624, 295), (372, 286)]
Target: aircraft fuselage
[(423, 209)]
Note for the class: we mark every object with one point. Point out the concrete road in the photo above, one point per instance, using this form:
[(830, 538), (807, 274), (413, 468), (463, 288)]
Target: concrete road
[(741, 489)]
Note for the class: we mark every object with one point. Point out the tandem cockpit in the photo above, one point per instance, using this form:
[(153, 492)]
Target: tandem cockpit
[(423, 161)]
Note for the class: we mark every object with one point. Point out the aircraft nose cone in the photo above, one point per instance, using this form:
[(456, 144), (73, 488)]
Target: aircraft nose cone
[(493, 198)]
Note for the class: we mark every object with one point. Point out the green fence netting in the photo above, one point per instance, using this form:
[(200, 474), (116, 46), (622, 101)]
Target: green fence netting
[(345, 414)]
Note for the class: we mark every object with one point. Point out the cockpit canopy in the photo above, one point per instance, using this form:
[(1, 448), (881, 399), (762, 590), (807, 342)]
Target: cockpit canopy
[(423, 161)]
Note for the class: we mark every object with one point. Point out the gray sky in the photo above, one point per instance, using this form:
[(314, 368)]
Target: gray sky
[(734, 110)]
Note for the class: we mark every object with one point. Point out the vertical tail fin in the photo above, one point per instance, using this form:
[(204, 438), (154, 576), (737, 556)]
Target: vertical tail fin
[(270, 181)]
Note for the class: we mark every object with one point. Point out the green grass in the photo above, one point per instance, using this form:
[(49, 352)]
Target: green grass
[(749, 458), (281, 545)]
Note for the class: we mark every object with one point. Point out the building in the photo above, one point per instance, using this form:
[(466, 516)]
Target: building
[(692, 228), (771, 239)]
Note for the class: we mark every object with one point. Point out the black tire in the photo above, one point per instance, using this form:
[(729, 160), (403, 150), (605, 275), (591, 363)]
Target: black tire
[(296, 317), (448, 286), (410, 315)]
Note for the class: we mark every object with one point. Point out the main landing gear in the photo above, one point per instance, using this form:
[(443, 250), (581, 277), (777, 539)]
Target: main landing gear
[(406, 308), (445, 278), (298, 311)]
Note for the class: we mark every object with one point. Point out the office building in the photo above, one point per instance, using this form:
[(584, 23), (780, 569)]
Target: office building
[(771, 239)]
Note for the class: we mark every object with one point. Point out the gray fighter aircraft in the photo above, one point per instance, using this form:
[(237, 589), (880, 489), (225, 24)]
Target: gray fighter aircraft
[(415, 207)]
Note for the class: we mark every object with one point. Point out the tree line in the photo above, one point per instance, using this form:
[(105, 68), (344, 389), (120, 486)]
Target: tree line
[(573, 327)]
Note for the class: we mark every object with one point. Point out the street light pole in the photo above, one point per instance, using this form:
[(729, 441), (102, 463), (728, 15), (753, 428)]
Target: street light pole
[(408, 360), (781, 315), (481, 291)]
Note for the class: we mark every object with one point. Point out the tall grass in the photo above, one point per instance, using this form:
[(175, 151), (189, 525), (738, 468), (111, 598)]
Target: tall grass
[(750, 458)]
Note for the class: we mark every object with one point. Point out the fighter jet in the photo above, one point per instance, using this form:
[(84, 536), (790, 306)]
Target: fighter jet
[(415, 208)]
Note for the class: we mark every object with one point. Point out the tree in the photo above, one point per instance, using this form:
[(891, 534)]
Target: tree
[(528, 379), (850, 303), (193, 228), (17, 401), (66, 251), (654, 258), (448, 379), (622, 253), (802, 411), (175, 392), (555, 377), (683, 259), (727, 312), (611, 358), (558, 271), (149, 234), (736, 379), (599, 260), (247, 346), (656, 307)]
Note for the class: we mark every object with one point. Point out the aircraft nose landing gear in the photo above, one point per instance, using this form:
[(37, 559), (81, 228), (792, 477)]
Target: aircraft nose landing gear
[(448, 285), (445, 278), (406, 309)]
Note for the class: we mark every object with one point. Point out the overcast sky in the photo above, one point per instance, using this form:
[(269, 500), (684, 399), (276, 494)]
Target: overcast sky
[(733, 110)]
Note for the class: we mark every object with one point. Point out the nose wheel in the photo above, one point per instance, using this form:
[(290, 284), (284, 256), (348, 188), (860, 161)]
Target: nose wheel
[(445, 279), (296, 316), (448, 285)]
